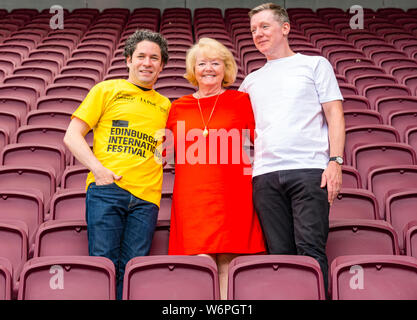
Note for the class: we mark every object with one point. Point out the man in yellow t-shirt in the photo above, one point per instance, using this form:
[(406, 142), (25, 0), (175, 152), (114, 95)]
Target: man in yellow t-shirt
[(124, 184)]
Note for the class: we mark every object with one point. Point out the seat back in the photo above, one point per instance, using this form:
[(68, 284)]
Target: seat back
[(369, 156), (5, 279), (67, 278), (374, 277), (61, 238), (400, 207), (22, 206), (360, 135), (358, 236), (34, 181), (275, 277), (14, 244), (171, 278), (353, 203), (411, 239), (41, 155), (68, 204), (385, 180)]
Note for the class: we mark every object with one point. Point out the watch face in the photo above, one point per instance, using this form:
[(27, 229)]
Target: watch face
[(339, 160)]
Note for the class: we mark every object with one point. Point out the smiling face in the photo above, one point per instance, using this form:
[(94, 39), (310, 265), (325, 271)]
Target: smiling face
[(145, 64), (269, 35), (209, 71)]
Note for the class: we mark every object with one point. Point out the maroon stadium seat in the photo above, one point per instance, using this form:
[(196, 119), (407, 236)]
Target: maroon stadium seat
[(384, 277), (352, 203), (61, 238), (272, 277), (67, 278), (171, 278)]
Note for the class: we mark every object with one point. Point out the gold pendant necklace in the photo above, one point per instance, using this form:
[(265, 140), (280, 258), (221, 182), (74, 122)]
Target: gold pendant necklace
[(205, 131)]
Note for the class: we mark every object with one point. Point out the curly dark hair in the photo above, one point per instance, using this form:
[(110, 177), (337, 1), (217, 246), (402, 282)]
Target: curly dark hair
[(144, 34)]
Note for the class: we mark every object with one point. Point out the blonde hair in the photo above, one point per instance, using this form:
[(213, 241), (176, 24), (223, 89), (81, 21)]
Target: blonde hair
[(211, 48)]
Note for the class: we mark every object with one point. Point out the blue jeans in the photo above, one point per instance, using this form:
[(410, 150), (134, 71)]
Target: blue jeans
[(120, 226)]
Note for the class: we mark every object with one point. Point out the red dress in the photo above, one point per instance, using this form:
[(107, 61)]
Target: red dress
[(212, 210)]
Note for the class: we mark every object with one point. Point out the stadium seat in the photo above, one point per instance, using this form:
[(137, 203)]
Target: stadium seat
[(35, 81), (54, 118), (5, 279), (171, 278), (68, 204), (41, 155), (403, 120), (369, 156), (160, 241), (43, 72), (33, 182), (61, 238), (411, 82), (13, 247), (411, 239), (168, 182), (67, 91), (386, 105), (383, 180), (67, 278), (88, 71), (402, 72), (352, 203), (389, 64), (4, 138), (81, 80), (52, 65), (360, 236), (21, 92), (275, 277), (355, 102), (361, 81), (361, 117), (366, 134), (164, 214), (351, 72), (411, 137), (377, 91), (351, 177), (400, 207), (74, 177), (374, 277), (66, 104)]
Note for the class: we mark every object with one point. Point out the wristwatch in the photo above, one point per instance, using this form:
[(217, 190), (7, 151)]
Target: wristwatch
[(338, 159)]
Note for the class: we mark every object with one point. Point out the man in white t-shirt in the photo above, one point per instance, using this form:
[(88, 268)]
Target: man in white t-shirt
[(300, 135)]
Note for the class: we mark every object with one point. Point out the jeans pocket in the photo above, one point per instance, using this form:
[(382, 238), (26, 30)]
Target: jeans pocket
[(110, 185)]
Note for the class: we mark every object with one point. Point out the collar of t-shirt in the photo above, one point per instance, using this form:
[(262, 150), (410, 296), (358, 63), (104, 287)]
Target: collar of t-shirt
[(142, 88)]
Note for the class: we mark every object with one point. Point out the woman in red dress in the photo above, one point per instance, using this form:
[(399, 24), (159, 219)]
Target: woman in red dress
[(212, 211)]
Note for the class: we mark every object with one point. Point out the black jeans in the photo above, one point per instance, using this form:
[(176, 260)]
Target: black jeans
[(294, 213)]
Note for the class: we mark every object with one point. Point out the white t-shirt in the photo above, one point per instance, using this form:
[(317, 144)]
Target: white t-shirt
[(286, 96)]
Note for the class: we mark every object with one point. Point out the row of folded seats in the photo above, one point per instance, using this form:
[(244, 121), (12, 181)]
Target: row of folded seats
[(267, 277), (45, 75)]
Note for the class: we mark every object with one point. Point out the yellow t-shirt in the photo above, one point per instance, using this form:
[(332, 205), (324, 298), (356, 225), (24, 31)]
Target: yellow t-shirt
[(128, 125)]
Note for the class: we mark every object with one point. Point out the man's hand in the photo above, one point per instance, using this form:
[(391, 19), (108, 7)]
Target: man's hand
[(105, 176), (332, 178)]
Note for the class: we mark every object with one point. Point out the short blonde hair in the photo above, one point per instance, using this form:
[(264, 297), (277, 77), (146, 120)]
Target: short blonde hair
[(280, 14), (211, 48)]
